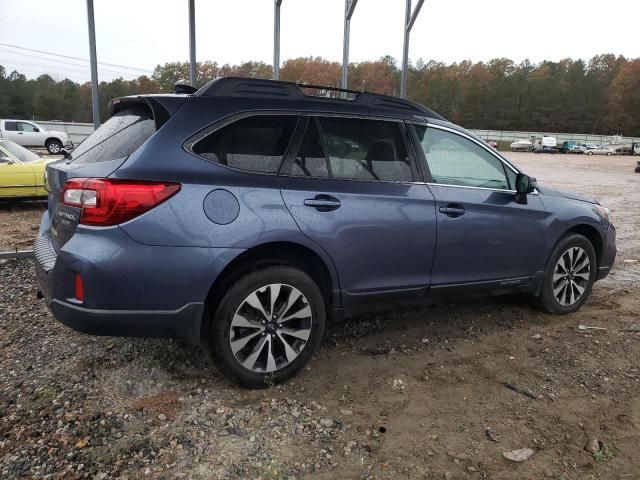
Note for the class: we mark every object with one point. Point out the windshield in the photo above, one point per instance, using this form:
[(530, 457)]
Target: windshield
[(20, 153), (118, 137)]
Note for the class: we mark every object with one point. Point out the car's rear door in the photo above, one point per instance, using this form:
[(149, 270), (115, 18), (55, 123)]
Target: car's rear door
[(484, 235), (352, 186), (10, 131)]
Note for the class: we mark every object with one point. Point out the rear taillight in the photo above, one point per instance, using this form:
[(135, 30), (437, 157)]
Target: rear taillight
[(106, 201), (78, 285)]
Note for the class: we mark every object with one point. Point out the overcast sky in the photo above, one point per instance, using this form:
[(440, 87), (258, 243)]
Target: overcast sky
[(139, 34)]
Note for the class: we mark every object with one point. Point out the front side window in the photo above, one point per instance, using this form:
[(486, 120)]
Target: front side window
[(26, 127), (456, 160), (255, 144), (355, 149)]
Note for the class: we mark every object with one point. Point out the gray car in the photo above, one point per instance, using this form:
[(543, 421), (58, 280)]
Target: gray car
[(247, 215)]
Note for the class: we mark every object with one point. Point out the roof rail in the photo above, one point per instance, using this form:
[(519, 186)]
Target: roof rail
[(256, 87)]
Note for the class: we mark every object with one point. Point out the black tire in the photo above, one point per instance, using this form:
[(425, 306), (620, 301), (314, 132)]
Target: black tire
[(547, 300), (589, 153), (54, 147), (233, 299)]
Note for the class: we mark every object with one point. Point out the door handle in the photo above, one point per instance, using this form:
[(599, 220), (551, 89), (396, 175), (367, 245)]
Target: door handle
[(323, 203), (452, 210), (20, 133)]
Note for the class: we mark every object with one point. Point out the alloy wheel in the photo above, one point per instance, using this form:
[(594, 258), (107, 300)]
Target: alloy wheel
[(270, 328), (571, 276)]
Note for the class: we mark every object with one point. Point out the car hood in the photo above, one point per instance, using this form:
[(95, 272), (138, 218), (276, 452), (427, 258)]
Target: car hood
[(549, 192)]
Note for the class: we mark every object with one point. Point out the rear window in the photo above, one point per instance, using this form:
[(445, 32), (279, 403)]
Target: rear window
[(118, 137), (255, 143)]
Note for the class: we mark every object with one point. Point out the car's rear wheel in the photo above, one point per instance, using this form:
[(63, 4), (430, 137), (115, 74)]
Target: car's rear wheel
[(54, 147), (570, 275), (267, 326)]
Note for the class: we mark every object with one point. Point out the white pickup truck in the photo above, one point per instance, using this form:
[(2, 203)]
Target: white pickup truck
[(30, 134)]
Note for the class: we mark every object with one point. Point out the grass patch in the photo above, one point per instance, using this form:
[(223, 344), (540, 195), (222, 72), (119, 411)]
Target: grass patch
[(45, 394), (606, 453)]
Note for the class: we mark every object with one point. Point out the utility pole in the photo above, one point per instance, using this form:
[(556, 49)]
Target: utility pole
[(93, 61), (276, 39), (409, 20), (192, 43), (349, 7)]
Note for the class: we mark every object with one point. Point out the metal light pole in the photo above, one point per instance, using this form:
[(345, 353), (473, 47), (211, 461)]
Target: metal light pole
[(95, 98), (409, 20), (276, 39), (192, 43), (349, 7)]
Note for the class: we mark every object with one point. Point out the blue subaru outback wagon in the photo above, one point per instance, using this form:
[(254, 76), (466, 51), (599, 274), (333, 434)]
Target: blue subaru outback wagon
[(247, 214)]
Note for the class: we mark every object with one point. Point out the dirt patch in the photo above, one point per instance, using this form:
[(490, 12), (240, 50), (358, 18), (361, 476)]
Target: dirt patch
[(19, 223), (408, 394)]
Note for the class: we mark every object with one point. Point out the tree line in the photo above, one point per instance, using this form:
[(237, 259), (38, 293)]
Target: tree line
[(599, 96)]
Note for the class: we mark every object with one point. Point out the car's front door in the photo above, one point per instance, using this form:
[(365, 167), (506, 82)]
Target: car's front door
[(352, 186), (484, 235), (29, 135), (16, 179)]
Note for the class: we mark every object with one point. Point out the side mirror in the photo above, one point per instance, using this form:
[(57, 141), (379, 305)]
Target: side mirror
[(4, 160), (524, 185), (66, 154)]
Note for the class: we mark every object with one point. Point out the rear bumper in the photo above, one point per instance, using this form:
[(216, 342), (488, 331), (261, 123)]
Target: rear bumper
[(181, 323), (129, 289)]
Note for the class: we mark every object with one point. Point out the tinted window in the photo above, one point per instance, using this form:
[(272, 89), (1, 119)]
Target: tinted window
[(26, 127), (255, 143), (118, 137), (366, 150), (11, 126), (455, 160), (311, 160)]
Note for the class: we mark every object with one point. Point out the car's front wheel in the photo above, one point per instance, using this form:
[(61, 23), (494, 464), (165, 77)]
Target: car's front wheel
[(570, 275), (54, 147), (267, 326)]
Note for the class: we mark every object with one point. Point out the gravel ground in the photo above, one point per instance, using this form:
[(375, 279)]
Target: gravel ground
[(410, 394)]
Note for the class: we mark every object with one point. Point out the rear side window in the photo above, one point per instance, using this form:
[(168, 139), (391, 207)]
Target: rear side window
[(255, 144), (356, 149), (118, 137), (11, 126)]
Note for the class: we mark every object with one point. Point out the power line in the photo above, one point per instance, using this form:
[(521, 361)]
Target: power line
[(80, 69), (83, 67), (74, 58)]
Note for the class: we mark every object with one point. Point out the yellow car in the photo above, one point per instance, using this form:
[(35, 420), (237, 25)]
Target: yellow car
[(21, 172)]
